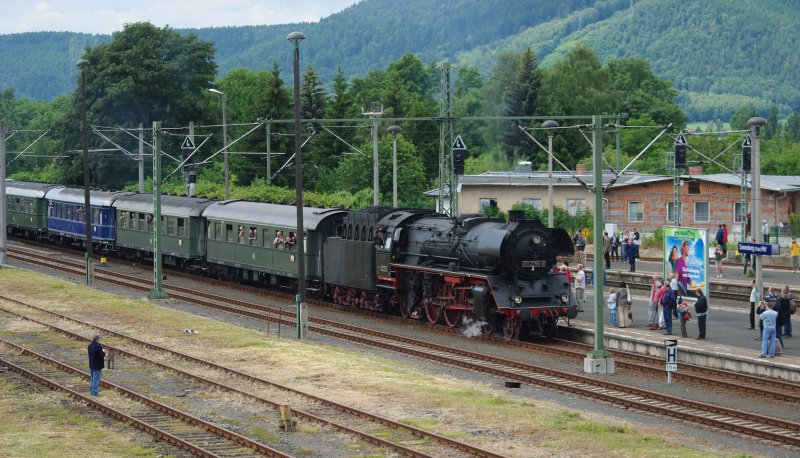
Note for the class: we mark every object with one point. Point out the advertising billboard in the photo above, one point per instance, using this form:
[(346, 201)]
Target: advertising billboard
[(686, 257)]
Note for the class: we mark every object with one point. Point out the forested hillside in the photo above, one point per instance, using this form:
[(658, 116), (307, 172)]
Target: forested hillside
[(720, 54)]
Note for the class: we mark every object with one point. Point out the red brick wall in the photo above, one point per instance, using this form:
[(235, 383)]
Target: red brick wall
[(720, 198)]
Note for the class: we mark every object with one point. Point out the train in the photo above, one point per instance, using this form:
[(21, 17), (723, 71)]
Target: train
[(485, 275)]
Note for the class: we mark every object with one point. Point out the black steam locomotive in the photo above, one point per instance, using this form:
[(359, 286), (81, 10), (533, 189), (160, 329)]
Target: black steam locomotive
[(475, 271)]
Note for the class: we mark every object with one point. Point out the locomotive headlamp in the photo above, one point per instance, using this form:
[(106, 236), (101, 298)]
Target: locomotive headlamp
[(564, 298), (536, 240), (517, 299)]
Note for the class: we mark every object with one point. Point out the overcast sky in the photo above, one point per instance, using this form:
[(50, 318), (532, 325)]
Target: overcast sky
[(107, 16)]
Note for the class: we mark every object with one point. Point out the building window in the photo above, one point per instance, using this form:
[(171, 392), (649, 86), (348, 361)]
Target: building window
[(576, 206), (671, 213), (635, 212), (694, 186), (487, 202), (738, 214), (535, 203), (701, 212)]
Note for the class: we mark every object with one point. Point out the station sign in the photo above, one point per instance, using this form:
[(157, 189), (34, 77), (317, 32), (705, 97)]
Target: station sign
[(672, 354), (763, 249)]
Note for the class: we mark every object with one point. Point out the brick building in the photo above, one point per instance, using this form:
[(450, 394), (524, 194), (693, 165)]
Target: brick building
[(641, 200)]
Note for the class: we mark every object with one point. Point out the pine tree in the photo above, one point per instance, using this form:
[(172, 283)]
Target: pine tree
[(521, 99)]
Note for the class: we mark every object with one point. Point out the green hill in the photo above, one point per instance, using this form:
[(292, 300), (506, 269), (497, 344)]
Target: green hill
[(720, 54)]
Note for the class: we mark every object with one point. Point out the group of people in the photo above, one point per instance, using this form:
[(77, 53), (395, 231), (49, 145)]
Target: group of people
[(775, 318), (628, 242), (665, 303)]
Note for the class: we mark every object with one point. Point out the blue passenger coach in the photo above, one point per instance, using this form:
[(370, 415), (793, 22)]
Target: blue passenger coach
[(66, 216)]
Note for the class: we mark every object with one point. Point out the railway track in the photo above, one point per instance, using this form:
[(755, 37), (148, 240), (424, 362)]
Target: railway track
[(731, 420), (174, 426), (323, 412)]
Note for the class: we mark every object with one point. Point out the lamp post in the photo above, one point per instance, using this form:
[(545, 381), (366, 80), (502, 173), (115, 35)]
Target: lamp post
[(224, 137), (754, 124), (302, 318), (550, 125), (87, 204), (394, 130)]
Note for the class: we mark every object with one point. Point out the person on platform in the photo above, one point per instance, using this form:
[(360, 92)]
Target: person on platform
[(794, 251), (637, 238), (786, 304), (624, 302), (652, 305), (580, 245), (623, 243), (701, 311), (97, 356), (607, 249), (765, 231), (633, 253), (615, 247), (753, 300), (669, 302), (769, 319), (612, 307), (725, 240), (718, 254), (682, 269), (720, 238), (683, 316), (580, 287)]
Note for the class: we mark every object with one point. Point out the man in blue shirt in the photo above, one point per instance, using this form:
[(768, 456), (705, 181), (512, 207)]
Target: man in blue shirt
[(769, 318)]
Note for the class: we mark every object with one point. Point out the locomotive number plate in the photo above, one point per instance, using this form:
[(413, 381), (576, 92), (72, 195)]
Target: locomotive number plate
[(534, 264)]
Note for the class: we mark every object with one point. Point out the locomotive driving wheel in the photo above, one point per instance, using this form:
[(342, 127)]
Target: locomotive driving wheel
[(453, 311), (511, 328), (433, 309)]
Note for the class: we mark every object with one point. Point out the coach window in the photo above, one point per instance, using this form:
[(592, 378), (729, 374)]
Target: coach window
[(149, 223), (134, 221), (229, 232), (96, 216), (265, 237), (181, 227), (69, 212), (217, 231), (170, 225), (142, 218), (253, 236)]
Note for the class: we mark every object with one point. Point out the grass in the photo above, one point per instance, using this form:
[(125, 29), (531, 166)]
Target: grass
[(372, 383)]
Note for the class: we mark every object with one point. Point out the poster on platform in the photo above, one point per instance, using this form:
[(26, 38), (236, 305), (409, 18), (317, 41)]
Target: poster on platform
[(686, 258)]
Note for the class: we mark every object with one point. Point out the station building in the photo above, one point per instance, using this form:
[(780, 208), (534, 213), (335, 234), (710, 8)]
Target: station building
[(637, 200)]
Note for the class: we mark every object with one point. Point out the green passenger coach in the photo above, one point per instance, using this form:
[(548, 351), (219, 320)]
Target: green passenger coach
[(182, 229), (26, 208), (257, 242)]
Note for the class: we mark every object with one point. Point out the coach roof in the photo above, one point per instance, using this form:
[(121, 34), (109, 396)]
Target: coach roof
[(170, 205), (76, 196), (268, 214), (28, 189)]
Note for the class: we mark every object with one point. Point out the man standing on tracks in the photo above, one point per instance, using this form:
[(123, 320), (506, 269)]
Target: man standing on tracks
[(96, 362)]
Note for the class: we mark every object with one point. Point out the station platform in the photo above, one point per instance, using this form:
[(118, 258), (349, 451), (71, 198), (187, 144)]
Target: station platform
[(706, 353)]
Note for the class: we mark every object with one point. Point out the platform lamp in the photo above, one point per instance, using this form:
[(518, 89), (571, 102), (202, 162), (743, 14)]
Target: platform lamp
[(394, 130), (550, 125), (87, 204), (302, 311)]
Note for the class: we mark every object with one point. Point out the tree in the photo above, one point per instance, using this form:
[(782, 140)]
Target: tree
[(522, 99), (742, 115), (276, 105), (771, 129), (144, 74), (793, 127)]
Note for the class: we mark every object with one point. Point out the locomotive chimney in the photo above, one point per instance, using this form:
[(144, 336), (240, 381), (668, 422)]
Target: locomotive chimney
[(516, 215)]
